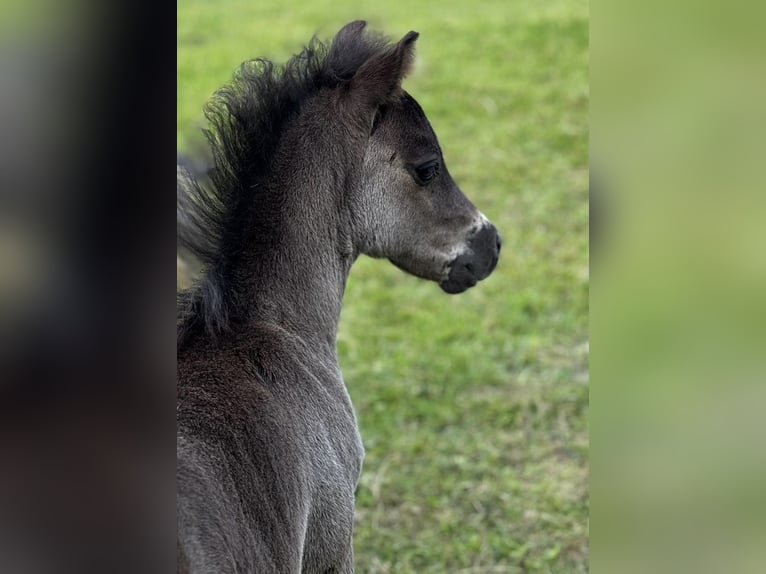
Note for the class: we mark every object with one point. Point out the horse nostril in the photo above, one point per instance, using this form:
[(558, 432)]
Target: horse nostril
[(499, 242)]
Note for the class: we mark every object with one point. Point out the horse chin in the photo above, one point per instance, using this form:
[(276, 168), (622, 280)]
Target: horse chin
[(417, 272), (455, 287), (461, 278), (467, 270), (464, 272)]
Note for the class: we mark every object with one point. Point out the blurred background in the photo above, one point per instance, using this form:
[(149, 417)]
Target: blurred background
[(473, 408), (87, 289), (678, 304)]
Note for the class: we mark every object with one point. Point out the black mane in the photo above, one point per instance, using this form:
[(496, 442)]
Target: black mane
[(247, 118)]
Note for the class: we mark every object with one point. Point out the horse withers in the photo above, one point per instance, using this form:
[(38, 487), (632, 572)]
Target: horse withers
[(315, 163)]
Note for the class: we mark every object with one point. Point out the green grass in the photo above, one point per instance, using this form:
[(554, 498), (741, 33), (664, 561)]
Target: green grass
[(473, 408)]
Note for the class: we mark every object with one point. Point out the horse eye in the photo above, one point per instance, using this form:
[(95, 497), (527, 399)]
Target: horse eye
[(425, 173)]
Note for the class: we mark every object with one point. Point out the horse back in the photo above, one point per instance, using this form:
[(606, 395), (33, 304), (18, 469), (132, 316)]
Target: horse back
[(268, 457)]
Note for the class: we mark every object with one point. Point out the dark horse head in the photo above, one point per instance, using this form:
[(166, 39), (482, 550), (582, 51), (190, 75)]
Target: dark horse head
[(407, 206)]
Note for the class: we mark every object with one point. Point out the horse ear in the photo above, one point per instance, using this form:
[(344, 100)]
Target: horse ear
[(380, 78)]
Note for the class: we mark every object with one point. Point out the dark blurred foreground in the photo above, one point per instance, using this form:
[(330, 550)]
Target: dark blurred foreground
[(86, 288), (87, 302)]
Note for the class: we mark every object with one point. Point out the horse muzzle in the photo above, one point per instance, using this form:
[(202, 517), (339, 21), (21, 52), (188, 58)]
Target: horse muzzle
[(476, 262)]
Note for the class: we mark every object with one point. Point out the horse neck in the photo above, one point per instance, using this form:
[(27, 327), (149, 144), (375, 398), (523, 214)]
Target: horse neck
[(296, 276)]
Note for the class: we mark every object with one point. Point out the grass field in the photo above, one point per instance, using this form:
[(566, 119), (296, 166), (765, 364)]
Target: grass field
[(473, 408)]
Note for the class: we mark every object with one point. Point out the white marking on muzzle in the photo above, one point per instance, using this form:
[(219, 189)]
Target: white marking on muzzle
[(482, 220)]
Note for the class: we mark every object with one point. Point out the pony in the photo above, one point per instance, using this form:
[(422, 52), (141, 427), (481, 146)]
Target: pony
[(316, 162)]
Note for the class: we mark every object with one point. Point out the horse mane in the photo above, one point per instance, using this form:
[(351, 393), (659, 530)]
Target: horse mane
[(246, 119)]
